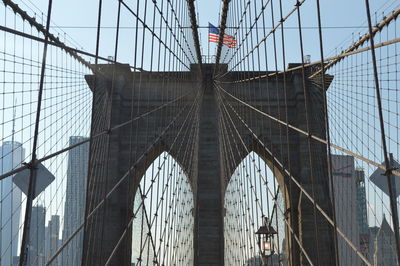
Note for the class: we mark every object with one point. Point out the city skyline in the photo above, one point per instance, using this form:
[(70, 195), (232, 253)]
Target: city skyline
[(133, 132), (345, 169), (12, 156)]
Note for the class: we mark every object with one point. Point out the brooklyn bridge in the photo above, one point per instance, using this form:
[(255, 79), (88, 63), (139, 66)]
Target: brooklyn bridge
[(182, 132)]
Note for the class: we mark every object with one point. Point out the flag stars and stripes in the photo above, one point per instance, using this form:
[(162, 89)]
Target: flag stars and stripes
[(213, 36)]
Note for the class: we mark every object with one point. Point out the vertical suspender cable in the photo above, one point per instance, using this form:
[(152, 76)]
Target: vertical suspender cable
[(32, 166), (92, 132), (389, 168), (327, 130), (195, 31), (221, 32)]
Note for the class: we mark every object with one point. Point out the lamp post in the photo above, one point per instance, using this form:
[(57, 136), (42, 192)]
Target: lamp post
[(265, 240)]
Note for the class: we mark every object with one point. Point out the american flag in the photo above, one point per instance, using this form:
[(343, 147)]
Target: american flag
[(213, 36)]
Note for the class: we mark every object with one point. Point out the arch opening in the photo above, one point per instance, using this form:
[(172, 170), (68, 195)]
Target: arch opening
[(254, 196), (162, 228)]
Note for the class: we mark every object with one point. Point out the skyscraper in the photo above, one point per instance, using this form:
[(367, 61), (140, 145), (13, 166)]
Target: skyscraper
[(362, 212), (36, 251), (75, 199), (11, 156), (346, 207), (382, 247), (52, 238)]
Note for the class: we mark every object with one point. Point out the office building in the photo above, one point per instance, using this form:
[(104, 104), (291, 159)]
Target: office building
[(382, 245), (346, 207), (52, 238), (11, 155), (362, 212), (74, 208), (36, 248)]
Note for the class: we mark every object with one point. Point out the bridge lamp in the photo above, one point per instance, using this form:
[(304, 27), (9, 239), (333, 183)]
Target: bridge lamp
[(265, 239)]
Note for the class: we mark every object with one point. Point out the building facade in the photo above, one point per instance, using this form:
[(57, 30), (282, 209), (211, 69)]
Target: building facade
[(11, 155), (36, 250), (346, 207), (74, 208), (52, 241), (362, 212), (382, 245)]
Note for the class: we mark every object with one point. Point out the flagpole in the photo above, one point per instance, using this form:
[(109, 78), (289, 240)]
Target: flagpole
[(208, 52), (208, 42)]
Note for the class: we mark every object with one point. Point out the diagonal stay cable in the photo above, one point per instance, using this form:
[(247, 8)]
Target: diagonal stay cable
[(19, 169), (349, 242), (153, 33), (327, 60), (388, 161), (32, 165), (368, 36), (244, 145), (279, 24), (222, 27), (43, 30), (118, 183), (397, 173), (141, 205), (192, 13), (63, 46)]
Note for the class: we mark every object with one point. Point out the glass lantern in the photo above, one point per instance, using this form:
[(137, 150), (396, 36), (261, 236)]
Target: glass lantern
[(265, 239)]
